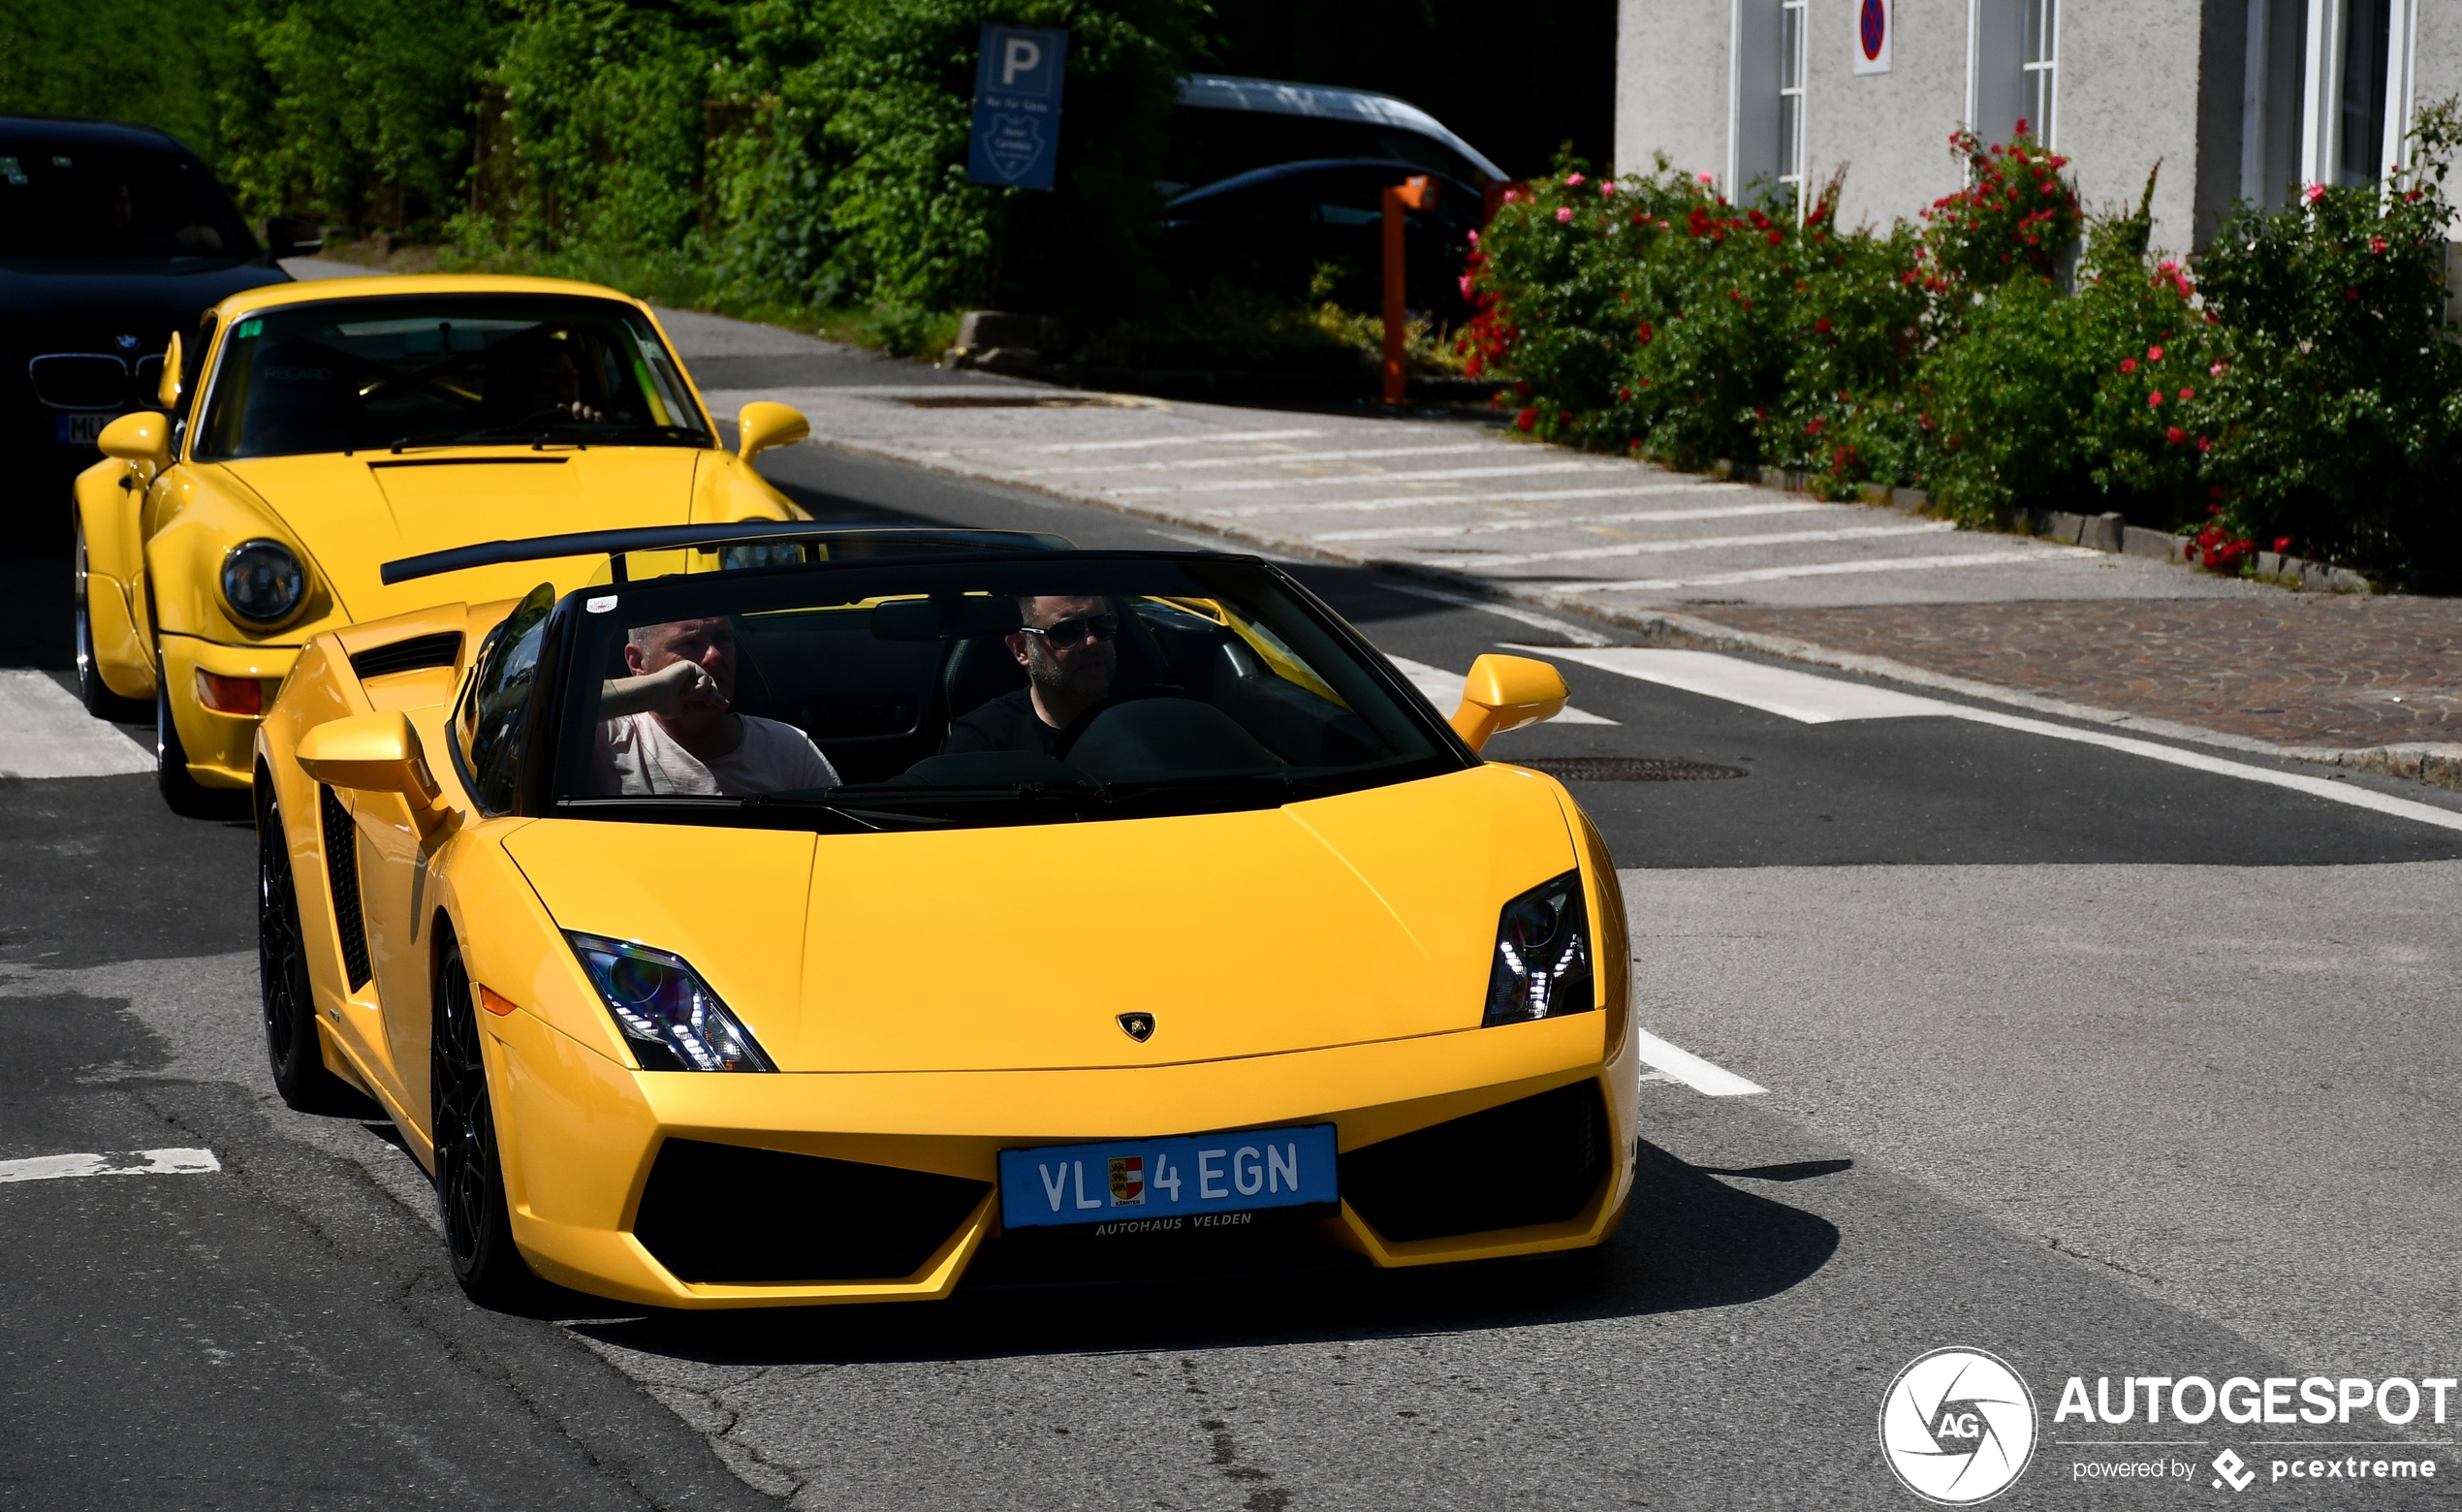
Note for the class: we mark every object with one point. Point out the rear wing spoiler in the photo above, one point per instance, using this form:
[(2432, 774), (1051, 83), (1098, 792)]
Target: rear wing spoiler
[(869, 541)]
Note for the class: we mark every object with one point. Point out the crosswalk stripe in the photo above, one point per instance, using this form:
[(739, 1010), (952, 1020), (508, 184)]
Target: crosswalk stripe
[(1423, 500), (2044, 554), (1434, 475), (1262, 458), (1634, 517), (1487, 559), (45, 732), (134, 1162), (1187, 440)]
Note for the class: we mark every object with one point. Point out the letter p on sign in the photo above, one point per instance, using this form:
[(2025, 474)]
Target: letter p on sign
[(1022, 55)]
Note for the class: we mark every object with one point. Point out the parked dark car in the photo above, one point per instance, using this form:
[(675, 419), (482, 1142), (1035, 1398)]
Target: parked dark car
[(111, 238), (1226, 125), (1269, 232)]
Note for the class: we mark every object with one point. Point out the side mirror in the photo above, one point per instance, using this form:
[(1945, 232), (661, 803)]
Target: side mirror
[(1506, 693), (370, 753), (290, 235), (764, 425), (144, 438), (167, 392)]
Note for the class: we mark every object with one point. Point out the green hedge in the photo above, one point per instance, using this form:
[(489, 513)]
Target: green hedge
[(2297, 388)]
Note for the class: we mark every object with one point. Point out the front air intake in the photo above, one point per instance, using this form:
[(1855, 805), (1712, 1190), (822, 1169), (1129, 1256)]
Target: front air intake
[(724, 1215), (1533, 1162)]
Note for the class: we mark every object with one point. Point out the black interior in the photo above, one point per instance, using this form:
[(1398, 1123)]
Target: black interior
[(878, 688)]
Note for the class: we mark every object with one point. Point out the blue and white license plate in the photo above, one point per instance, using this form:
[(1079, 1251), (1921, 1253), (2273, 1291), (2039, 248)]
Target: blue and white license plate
[(80, 427), (1181, 1181)]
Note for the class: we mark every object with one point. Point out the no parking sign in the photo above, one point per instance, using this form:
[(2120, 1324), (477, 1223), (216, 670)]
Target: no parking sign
[(1874, 20), (1017, 107)]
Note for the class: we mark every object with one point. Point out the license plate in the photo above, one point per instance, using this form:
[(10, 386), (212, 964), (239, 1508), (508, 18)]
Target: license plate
[(1183, 1182), (80, 427)]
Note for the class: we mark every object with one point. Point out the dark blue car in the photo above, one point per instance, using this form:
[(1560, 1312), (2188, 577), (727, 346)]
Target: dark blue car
[(111, 238)]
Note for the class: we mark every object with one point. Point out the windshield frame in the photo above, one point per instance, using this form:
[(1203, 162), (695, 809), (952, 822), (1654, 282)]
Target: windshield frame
[(199, 402), (566, 705)]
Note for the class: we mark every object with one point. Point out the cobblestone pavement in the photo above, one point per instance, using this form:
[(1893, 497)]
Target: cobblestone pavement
[(2292, 669)]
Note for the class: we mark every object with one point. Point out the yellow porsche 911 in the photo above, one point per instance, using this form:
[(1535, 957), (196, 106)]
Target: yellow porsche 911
[(311, 431), (818, 932)]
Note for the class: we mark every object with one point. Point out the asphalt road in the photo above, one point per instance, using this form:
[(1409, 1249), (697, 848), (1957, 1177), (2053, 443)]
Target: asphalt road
[(2104, 1065)]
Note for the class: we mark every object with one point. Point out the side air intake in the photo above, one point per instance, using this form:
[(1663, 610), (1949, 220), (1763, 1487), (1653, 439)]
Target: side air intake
[(1533, 1162), (341, 873), (419, 652), (726, 1213)]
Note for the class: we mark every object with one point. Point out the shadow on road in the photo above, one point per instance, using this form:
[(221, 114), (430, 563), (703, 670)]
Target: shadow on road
[(1688, 1241)]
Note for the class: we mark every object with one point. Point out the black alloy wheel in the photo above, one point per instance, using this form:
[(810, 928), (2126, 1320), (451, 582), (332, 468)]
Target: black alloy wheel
[(98, 699), (469, 1176), (187, 797), (290, 1042)]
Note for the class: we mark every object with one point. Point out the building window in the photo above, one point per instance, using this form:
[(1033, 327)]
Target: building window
[(2270, 92), (2036, 91), (1790, 101), (2012, 67), (2360, 98), (1766, 127)]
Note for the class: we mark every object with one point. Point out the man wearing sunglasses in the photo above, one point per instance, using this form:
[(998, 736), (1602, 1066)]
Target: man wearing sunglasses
[(1070, 649)]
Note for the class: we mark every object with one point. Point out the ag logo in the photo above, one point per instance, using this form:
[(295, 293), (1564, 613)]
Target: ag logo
[(1139, 1027), (1957, 1427)]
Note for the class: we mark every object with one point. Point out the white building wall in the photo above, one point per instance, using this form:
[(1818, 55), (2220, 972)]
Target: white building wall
[(1891, 131), (1671, 84), (2128, 92)]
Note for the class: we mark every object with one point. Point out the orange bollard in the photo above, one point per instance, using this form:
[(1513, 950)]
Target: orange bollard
[(1411, 193)]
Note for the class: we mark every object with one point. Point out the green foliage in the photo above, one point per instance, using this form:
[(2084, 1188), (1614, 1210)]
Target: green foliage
[(2343, 432)]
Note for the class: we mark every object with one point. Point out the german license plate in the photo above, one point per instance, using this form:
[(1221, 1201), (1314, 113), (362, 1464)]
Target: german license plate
[(1183, 1182), (80, 427)]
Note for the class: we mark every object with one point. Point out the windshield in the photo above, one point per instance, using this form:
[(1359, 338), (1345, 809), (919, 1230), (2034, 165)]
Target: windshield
[(73, 199), (442, 369), (936, 694)]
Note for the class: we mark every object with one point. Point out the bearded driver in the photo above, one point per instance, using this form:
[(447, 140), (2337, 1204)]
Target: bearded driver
[(1069, 646), (672, 727)]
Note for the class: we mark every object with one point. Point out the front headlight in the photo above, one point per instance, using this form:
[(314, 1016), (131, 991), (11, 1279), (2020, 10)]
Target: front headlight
[(263, 581), (668, 1015), (1542, 967)]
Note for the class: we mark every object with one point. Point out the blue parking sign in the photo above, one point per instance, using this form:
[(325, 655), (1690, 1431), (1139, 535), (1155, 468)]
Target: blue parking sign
[(1017, 107)]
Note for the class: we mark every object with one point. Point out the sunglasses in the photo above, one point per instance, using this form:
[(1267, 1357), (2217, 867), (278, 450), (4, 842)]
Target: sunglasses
[(1069, 633)]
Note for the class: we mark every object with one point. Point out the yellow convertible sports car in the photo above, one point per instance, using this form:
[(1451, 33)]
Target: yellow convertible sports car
[(784, 931), (311, 431)]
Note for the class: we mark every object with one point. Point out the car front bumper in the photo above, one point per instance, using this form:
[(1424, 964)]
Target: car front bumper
[(580, 1136), (221, 747)]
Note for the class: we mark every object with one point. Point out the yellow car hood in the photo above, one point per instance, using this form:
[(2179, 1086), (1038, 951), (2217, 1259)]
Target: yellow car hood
[(1365, 917), (355, 514)]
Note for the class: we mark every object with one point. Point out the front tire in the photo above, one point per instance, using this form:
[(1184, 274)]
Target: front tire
[(291, 1040), (469, 1174), (98, 699)]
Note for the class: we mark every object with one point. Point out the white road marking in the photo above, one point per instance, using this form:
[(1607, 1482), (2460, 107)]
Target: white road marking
[(2044, 554), (1432, 475), (1817, 700), (1632, 516), (45, 732), (1677, 1065), (1417, 500), (1191, 440), (1443, 689), (1488, 560), (1278, 459), (1578, 634), (1776, 690), (134, 1162)]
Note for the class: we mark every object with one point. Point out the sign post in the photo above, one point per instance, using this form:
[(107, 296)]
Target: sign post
[(1411, 193), (1017, 107)]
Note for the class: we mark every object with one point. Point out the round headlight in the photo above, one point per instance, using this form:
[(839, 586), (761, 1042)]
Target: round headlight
[(263, 581)]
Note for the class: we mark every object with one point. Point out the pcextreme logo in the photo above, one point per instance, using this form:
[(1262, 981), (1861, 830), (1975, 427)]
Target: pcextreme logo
[(1957, 1427)]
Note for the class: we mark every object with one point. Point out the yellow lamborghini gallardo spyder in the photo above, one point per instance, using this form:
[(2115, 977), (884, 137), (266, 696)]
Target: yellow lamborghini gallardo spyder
[(785, 930), (311, 431)]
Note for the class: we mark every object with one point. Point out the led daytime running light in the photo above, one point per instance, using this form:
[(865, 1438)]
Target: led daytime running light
[(668, 1015), (1543, 967)]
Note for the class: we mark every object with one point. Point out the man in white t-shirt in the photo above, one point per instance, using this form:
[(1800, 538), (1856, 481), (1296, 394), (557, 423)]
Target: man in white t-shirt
[(671, 726)]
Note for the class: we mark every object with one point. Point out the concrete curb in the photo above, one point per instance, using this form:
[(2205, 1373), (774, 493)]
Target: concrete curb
[(2437, 764)]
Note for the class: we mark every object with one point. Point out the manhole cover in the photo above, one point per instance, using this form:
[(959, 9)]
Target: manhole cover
[(1016, 402), (1628, 769)]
